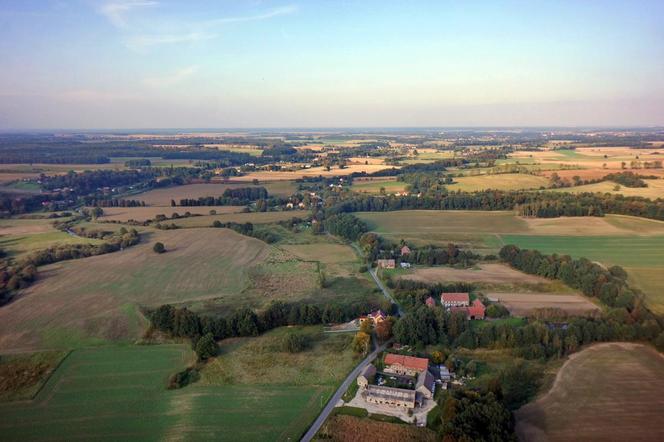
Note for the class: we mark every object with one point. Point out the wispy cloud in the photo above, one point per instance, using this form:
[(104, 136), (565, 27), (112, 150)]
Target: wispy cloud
[(171, 79), (154, 31), (116, 11)]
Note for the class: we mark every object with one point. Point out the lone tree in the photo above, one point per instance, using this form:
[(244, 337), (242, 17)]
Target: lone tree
[(159, 248), (206, 347)]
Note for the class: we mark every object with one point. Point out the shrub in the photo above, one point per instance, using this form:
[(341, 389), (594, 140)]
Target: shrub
[(159, 248), (206, 347), (295, 342)]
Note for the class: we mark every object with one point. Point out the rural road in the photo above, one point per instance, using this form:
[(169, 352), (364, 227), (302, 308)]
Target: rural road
[(352, 376)]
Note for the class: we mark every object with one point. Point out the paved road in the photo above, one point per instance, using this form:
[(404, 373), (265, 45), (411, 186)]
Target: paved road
[(320, 420)]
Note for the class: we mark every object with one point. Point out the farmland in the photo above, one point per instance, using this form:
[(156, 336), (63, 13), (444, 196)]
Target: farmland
[(506, 181), (97, 299), (150, 212), (163, 196), (374, 186), (634, 243), (93, 395), (239, 217), (654, 190), (523, 304), (606, 392)]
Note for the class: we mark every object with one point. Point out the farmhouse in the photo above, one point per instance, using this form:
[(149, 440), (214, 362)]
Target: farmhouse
[(425, 384), (386, 263), (454, 300), (430, 302), (405, 251), (366, 376), (398, 397), (405, 365), (376, 317), (475, 311)]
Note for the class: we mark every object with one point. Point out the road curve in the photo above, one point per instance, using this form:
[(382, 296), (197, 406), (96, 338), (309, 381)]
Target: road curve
[(352, 376)]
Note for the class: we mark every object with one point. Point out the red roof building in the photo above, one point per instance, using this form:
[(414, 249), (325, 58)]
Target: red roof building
[(401, 364), (455, 300), (405, 250), (475, 311), (430, 302)]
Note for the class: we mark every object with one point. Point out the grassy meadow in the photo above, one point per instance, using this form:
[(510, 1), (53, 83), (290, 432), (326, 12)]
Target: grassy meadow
[(163, 196), (505, 181), (115, 393)]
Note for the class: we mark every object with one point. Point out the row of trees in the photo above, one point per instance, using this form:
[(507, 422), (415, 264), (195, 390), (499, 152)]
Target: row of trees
[(181, 322), (609, 285), (231, 197), (346, 226)]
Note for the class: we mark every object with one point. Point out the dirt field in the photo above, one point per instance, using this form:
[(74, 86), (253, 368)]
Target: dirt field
[(149, 212), (608, 392), (490, 273), (523, 304), (97, 299), (163, 197), (354, 429)]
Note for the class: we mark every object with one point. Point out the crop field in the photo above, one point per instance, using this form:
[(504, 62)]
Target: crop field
[(314, 171), (606, 392), (354, 429), (654, 190), (22, 375), (374, 186), (637, 244), (119, 393), (505, 181), (523, 304), (149, 212), (490, 273), (97, 299), (163, 196), (336, 259)]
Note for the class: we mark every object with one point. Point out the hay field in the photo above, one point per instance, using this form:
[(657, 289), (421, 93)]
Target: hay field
[(489, 273), (149, 212), (163, 196), (314, 171), (119, 393), (505, 181), (654, 190), (374, 186), (336, 259), (97, 299), (608, 392), (523, 304)]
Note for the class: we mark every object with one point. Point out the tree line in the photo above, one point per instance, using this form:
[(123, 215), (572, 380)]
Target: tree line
[(231, 197)]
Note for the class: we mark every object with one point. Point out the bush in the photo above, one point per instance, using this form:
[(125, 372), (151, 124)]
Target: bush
[(295, 342), (497, 311), (183, 378), (206, 347), (159, 248)]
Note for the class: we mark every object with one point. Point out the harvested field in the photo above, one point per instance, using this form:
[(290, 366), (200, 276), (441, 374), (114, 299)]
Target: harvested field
[(505, 181), (608, 392), (314, 171), (654, 190), (163, 196), (489, 273), (119, 393), (354, 429), (15, 226), (523, 304), (149, 212), (97, 299)]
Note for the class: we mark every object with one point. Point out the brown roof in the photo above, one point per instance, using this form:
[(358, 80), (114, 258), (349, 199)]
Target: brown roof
[(454, 297), (419, 364)]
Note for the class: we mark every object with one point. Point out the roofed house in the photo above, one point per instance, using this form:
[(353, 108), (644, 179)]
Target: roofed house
[(398, 397), (386, 263), (475, 311), (454, 300), (405, 365), (366, 376), (425, 384), (405, 251), (430, 302), (376, 317)]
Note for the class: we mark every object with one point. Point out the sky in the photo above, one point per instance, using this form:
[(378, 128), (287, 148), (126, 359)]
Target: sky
[(87, 64)]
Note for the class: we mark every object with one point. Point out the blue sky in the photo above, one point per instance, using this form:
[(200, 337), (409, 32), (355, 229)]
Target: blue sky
[(161, 63)]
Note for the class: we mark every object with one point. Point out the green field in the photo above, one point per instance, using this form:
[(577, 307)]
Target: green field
[(119, 393), (637, 244), (375, 186), (654, 190), (506, 181), (20, 245)]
